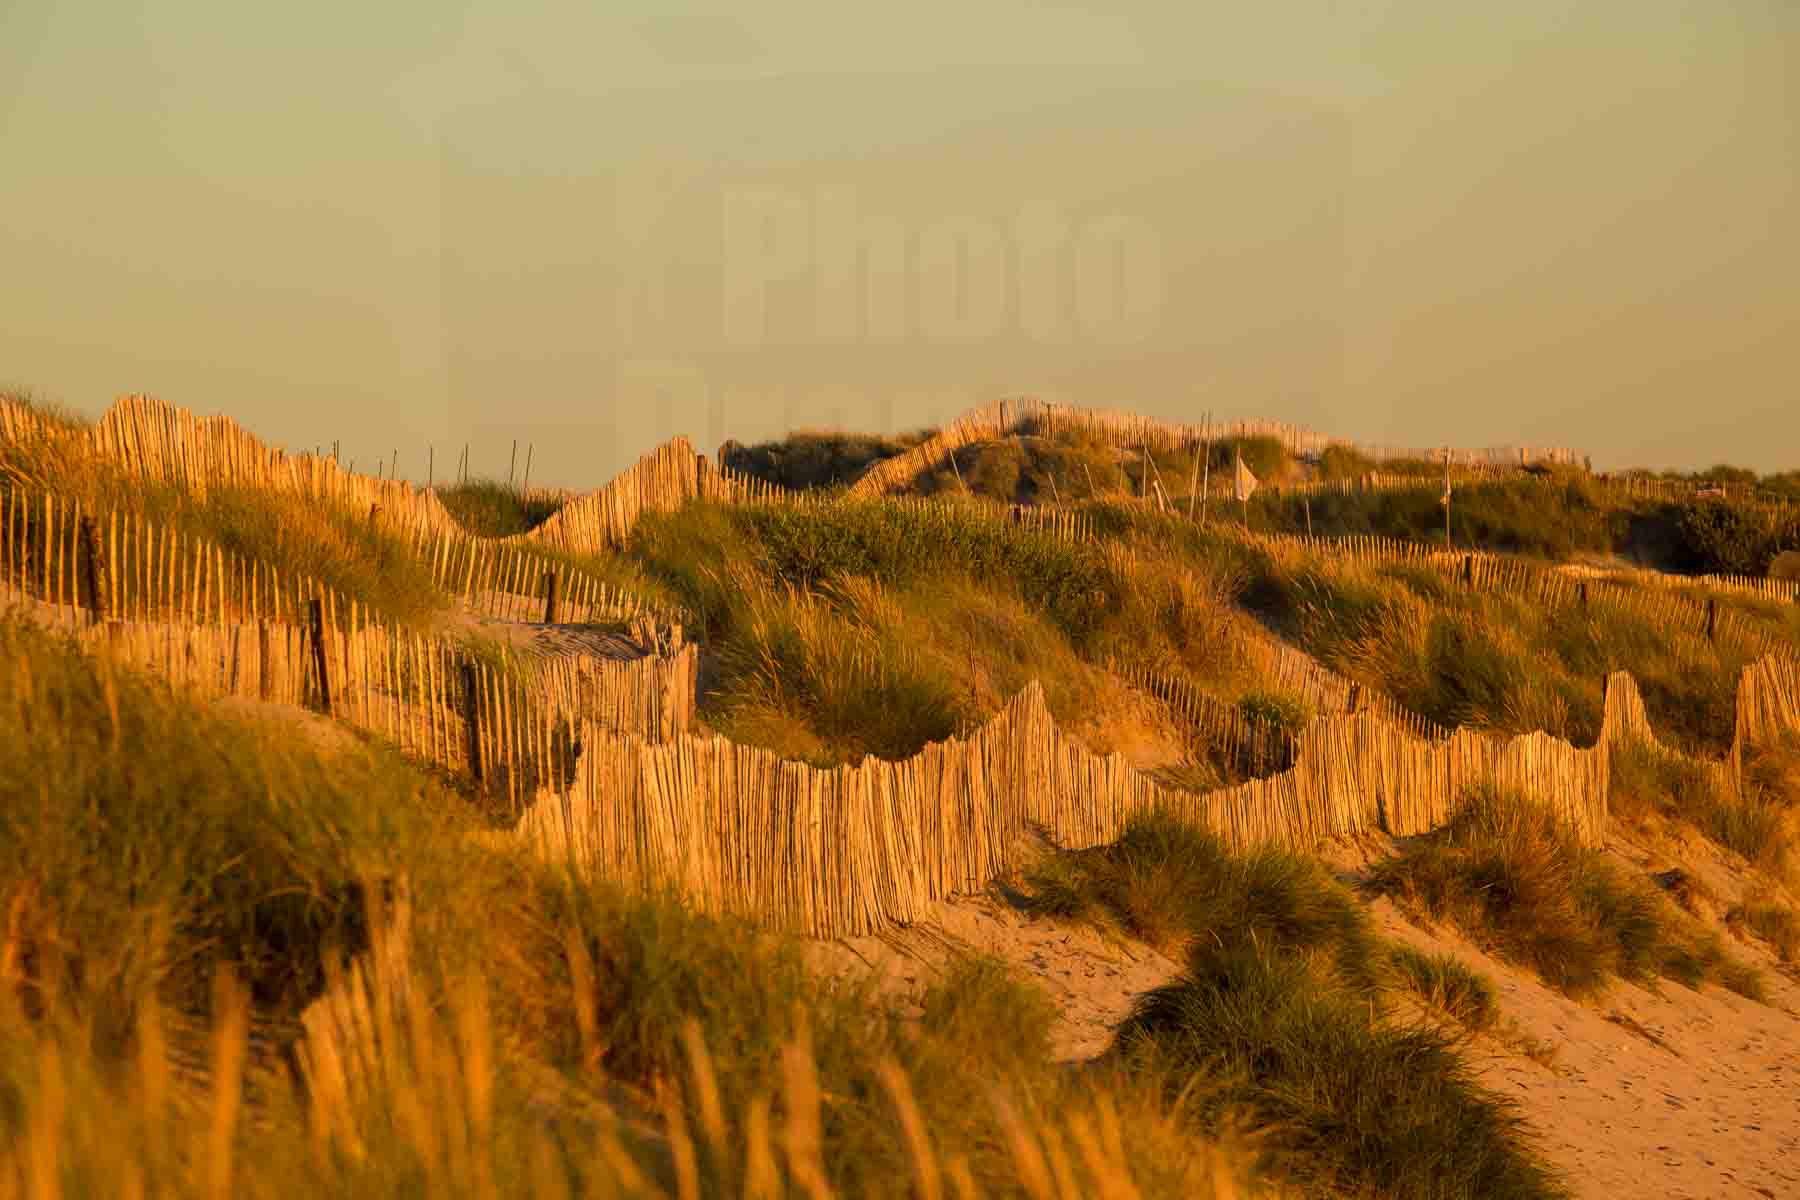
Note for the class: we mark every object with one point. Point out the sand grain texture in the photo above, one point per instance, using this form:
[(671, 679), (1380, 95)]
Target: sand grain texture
[(1092, 982), (1678, 1094)]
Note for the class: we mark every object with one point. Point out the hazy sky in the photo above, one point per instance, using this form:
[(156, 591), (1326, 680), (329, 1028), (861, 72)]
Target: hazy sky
[(591, 226)]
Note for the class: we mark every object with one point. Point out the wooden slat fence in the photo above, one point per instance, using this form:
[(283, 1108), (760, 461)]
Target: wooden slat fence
[(1214, 727), (509, 581), (1066, 523), (409, 688), (1008, 418), (849, 850), (146, 571), (166, 444), (844, 851), (1780, 591), (838, 851), (150, 571), (161, 443), (1671, 607)]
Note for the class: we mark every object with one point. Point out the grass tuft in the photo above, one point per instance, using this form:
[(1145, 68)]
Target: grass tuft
[(1359, 1107), (1170, 883), (153, 850), (1276, 1014), (1776, 924), (1508, 874), (489, 508), (1448, 985)]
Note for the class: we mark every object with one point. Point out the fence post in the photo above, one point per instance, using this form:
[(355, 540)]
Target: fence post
[(93, 570), (1469, 569), (472, 718), (315, 616), (1584, 593), (550, 585), (265, 677), (1712, 618)]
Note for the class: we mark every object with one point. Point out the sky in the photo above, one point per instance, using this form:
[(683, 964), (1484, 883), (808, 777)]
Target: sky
[(417, 226)]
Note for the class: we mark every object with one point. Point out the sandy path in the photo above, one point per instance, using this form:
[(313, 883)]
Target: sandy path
[(1675, 1094), (537, 640), (1681, 1094)]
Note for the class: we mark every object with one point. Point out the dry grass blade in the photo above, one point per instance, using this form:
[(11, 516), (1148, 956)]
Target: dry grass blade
[(706, 1087), (230, 1040), (912, 1125)]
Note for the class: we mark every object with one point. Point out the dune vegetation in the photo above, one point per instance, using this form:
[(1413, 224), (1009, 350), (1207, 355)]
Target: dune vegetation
[(187, 887)]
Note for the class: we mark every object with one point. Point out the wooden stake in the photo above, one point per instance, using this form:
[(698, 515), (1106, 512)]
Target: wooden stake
[(315, 611), (265, 677), (93, 570), (116, 577), (550, 587), (1193, 482), (1206, 471), (471, 718), (52, 543), (1156, 475)]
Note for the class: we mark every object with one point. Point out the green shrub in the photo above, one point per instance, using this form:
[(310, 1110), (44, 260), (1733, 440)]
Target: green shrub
[(817, 459), (1267, 457), (1520, 515), (1734, 536), (1448, 984), (900, 546), (146, 841), (1075, 465), (489, 508), (1283, 710), (1357, 1107), (996, 470), (1499, 660), (1726, 473), (973, 606), (856, 689), (1507, 873), (1274, 1015), (1776, 924), (1340, 461), (1169, 882), (298, 537), (1646, 780), (980, 1007)]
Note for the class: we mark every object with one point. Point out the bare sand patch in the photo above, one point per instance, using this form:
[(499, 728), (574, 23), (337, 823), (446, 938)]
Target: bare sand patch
[(1093, 981)]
